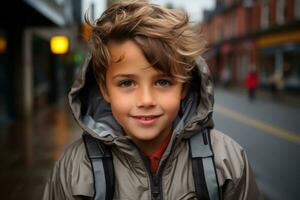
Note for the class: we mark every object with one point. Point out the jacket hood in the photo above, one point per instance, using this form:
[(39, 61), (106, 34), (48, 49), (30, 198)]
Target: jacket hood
[(94, 116)]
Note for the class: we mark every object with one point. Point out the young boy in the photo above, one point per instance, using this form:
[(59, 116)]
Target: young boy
[(144, 92)]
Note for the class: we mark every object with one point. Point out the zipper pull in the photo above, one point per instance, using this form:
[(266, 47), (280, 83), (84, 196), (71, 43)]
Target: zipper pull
[(155, 189)]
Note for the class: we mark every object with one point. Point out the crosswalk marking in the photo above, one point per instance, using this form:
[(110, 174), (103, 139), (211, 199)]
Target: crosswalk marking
[(266, 127)]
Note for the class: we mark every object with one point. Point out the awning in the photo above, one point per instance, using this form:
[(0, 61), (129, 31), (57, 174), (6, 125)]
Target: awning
[(278, 38)]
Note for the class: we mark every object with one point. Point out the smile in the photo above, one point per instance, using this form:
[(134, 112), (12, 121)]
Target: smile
[(146, 120)]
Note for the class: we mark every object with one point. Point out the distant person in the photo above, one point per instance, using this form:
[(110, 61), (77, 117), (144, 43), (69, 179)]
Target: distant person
[(276, 84), (144, 100), (225, 77), (251, 84)]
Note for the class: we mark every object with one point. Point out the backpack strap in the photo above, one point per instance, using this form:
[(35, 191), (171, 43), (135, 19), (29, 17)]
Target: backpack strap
[(205, 177), (102, 166)]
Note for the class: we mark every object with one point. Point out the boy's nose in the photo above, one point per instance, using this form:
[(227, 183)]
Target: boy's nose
[(145, 98)]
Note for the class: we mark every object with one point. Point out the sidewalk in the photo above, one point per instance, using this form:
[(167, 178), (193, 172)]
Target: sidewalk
[(28, 151)]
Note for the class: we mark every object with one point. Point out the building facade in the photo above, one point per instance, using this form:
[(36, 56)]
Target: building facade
[(261, 35), (32, 77)]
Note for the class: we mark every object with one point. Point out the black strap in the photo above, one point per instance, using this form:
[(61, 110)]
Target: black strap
[(102, 166), (205, 177), (199, 179)]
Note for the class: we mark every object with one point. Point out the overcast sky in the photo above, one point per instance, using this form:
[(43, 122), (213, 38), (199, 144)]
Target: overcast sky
[(193, 7)]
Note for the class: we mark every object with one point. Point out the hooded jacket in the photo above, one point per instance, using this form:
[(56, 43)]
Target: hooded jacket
[(72, 176)]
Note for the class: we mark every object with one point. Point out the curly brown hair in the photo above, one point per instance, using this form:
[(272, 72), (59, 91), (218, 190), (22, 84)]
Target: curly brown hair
[(165, 36)]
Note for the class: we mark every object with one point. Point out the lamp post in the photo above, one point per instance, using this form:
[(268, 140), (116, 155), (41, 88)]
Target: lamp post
[(59, 46)]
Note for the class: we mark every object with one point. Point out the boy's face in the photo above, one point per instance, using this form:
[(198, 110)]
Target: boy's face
[(144, 101)]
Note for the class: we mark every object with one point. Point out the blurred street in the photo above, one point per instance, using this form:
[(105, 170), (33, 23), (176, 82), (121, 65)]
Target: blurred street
[(28, 151), (269, 132)]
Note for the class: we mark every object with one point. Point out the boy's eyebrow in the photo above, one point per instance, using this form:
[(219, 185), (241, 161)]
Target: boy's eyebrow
[(124, 76), (160, 75), (132, 76)]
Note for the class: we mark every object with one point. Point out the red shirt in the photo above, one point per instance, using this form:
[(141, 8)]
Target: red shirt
[(155, 157), (251, 80)]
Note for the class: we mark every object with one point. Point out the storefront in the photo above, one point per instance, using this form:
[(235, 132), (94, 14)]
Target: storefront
[(280, 54)]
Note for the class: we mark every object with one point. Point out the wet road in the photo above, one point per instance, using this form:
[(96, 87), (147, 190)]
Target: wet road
[(28, 151), (269, 132)]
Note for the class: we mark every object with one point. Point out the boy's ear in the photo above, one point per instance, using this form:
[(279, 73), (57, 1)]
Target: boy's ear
[(104, 91)]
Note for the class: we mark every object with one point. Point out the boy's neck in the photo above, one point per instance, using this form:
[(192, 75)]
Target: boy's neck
[(152, 146)]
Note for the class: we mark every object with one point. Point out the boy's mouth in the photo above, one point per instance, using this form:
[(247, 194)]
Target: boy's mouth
[(147, 119)]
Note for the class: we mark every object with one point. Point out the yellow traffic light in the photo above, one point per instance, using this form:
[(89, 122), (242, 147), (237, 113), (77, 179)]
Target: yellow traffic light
[(59, 44)]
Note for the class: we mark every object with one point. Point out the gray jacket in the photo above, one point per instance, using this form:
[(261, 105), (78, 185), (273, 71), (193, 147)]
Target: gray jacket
[(72, 176)]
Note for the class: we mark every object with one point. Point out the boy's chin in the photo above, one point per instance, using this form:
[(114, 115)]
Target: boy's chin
[(144, 138), (148, 138)]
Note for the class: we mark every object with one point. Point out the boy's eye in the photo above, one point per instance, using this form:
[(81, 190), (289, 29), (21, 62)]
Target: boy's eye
[(163, 82), (126, 83)]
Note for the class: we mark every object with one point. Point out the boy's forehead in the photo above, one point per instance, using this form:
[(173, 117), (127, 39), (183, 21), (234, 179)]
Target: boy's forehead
[(127, 55), (128, 69), (126, 52), (116, 51), (126, 64)]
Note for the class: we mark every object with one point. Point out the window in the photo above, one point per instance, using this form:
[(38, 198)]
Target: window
[(297, 9), (265, 12), (280, 11)]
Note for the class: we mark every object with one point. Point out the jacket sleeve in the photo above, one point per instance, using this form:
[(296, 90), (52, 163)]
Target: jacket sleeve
[(71, 176), (243, 187), (56, 186), (235, 176)]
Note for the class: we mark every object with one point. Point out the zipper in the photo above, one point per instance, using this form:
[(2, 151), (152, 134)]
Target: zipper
[(155, 179), (156, 189), (163, 164)]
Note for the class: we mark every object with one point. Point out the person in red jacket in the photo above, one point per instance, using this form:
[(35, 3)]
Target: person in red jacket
[(251, 84)]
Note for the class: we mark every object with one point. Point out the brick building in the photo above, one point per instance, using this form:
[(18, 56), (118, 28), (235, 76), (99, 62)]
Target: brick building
[(254, 34)]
